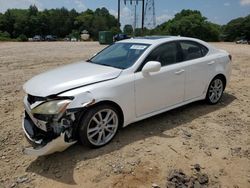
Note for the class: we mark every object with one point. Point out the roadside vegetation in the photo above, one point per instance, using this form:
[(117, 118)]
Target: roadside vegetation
[(21, 24)]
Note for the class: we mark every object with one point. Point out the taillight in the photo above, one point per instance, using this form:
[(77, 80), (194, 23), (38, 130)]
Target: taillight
[(230, 57)]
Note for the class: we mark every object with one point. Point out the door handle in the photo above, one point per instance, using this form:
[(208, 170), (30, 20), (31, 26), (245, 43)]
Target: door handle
[(212, 62), (179, 71)]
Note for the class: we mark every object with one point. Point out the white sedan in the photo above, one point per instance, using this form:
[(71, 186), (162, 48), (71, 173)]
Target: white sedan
[(126, 82)]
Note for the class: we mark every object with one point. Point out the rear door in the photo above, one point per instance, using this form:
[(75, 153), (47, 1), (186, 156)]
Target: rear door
[(197, 68)]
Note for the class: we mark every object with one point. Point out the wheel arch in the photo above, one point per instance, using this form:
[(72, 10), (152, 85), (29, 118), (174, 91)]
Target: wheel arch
[(112, 103), (223, 78)]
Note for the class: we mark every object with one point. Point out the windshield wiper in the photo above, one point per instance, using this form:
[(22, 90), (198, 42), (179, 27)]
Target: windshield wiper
[(109, 65), (104, 64), (89, 60)]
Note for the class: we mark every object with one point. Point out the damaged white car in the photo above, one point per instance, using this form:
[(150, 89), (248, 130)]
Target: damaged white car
[(126, 82)]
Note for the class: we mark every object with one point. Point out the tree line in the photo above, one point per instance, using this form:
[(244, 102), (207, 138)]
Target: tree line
[(21, 23), (25, 23), (191, 23)]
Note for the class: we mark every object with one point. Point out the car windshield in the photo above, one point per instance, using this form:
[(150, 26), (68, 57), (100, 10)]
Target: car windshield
[(120, 55)]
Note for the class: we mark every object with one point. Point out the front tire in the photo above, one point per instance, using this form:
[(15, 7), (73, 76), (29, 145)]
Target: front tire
[(99, 126), (215, 91)]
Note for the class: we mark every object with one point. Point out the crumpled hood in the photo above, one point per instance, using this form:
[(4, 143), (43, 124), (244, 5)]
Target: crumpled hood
[(69, 77)]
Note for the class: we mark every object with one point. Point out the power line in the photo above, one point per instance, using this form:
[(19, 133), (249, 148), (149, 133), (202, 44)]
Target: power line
[(148, 12)]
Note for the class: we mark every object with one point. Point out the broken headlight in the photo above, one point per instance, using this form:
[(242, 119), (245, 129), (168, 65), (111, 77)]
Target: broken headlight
[(54, 107)]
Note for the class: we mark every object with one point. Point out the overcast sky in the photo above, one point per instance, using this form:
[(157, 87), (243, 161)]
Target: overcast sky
[(218, 11)]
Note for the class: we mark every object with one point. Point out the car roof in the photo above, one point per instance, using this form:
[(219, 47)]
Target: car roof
[(158, 39)]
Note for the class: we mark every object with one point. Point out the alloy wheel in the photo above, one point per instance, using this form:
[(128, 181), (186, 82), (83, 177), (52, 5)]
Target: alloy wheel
[(102, 127), (215, 90)]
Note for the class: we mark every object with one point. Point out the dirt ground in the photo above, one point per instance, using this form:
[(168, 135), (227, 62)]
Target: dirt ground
[(215, 137)]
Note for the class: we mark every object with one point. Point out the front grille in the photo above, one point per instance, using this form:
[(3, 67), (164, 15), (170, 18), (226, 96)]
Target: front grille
[(32, 99)]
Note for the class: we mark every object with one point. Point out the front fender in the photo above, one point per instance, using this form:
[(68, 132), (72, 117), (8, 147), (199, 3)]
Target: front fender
[(81, 100)]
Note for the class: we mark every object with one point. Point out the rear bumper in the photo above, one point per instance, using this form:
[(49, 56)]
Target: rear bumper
[(39, 148)]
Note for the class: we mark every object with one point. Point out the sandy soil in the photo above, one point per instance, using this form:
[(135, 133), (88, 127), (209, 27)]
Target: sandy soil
[(216, 137)]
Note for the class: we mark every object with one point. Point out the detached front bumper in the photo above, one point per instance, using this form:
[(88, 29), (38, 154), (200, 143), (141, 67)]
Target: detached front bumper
[(41, 147)]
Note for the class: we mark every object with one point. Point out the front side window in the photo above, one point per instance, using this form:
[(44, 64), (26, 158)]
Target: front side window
[(192, 50), (120, 55), (166, 54)]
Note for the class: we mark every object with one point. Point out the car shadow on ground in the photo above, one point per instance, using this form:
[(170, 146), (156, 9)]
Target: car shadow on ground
[(65, 162)]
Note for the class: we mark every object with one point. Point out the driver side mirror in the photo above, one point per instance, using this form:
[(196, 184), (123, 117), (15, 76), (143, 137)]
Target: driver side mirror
[(151, 66)]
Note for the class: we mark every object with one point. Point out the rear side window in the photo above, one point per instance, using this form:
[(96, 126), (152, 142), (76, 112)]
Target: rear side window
[(192, 50), (204, 50)]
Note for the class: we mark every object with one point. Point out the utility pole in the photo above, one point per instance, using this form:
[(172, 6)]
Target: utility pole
[(143, 9), (119, 11), (135, 18), (150, 17), (131, 2)]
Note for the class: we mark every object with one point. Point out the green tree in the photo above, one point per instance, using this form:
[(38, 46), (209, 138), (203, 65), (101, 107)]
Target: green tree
[(33, 10), (128, 29), (237, 29), (190, 23)]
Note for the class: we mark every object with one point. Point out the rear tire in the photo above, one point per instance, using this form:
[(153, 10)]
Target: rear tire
[(99, 125), (215, 90)]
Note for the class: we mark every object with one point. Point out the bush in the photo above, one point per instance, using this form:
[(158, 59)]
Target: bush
[(22, 38), (75, 34), (4, 36)]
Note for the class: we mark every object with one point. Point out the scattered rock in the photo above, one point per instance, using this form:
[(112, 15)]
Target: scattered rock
[(203, 178), (187, 134), (197, 167), (246, 153), (222, 172), (197, 184), (236, 151), (208, 153), (13, 185), (177, 178), (22, 179), (154, 185), (224, 158)]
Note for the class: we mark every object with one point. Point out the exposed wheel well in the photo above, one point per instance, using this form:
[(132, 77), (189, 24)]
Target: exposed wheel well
[(223, 78)]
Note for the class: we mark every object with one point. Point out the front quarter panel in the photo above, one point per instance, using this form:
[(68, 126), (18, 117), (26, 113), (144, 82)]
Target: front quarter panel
[(119, 91), (80, 100)]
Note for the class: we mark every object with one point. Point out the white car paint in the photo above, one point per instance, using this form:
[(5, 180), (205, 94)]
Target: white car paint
[(68, 77), (139, 95), (174, 85)]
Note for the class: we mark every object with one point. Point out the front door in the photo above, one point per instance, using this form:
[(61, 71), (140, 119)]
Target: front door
[(164, 88)]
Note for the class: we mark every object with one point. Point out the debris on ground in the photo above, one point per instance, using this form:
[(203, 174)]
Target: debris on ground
[(178, 179)]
